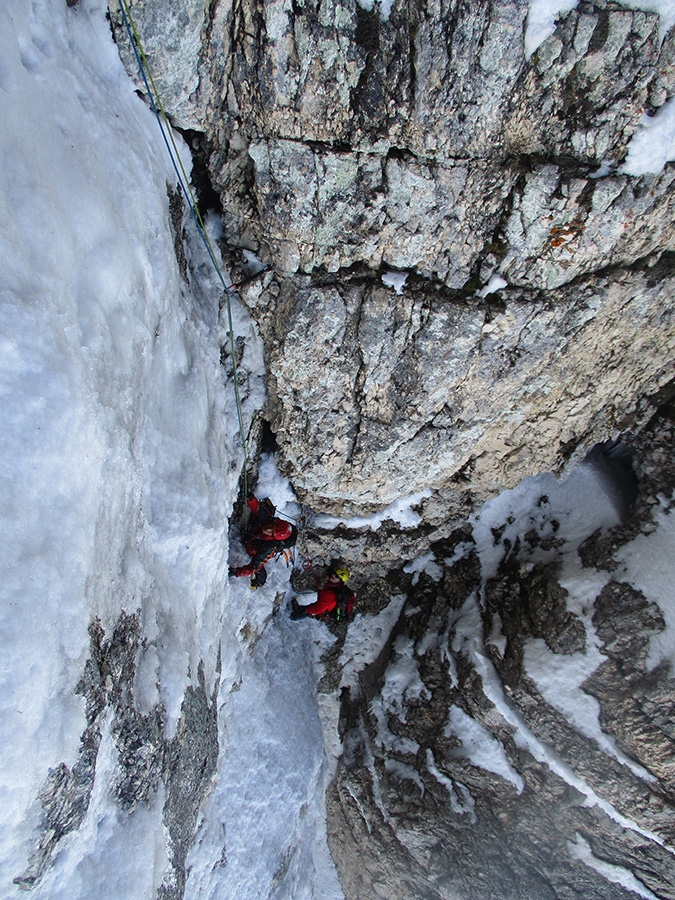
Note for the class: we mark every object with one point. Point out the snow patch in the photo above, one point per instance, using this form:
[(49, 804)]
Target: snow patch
[(653, 144), (564, 511), (402, 682), (401, 512), (480, 747), (461, 801), (649, 566), (393, 743), (395, 280), (581, 850), (607, 167), (253, 263), (382, 6), (366, 637), (542, 15), (496, 283), (426, 563), (664, 8), (461, 551), (541, 21), (404, 772), (496, 636), (468, 640)]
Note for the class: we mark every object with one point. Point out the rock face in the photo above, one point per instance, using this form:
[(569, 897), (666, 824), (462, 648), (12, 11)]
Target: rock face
[(459, 779), (536, 317), (530, 317)]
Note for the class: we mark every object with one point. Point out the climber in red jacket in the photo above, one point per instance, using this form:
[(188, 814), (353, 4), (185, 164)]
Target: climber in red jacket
[(265, 536), (334, 601)]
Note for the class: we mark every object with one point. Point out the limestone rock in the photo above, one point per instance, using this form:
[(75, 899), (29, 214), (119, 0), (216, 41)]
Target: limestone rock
[(377, 395), (344, 141), (438, 793)]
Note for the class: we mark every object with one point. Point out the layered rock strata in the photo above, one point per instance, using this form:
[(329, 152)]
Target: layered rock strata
[(537, 312)]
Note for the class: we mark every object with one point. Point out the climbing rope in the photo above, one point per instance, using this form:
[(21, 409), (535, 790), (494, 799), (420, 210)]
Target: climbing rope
[(184, 182)]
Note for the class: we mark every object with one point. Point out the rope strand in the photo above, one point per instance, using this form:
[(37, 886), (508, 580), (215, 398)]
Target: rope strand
[(184, 182)]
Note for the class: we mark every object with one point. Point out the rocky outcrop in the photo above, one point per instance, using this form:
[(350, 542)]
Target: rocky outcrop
[(529, 316), (465, 395), (536, 314), (459, 779)]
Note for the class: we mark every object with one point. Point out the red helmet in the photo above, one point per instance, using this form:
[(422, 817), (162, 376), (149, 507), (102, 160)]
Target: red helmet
[(282, 530)]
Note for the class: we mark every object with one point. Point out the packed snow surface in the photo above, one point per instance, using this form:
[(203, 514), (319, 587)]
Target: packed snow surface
[(401, 511), (120, 465), (653, 144), (481, 747)]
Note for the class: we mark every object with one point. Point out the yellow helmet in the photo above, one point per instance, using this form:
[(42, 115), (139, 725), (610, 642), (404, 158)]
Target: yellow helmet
[(342, 573)]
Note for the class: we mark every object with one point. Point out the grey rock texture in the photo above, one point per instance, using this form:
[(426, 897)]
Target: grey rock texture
[(413, 814), (378, 396), (343, 142)]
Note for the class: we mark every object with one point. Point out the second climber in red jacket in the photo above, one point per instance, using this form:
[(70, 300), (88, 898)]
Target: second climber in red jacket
[(264, 537), (334, 601)]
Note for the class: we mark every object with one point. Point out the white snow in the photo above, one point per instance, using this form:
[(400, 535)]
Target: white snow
[(461, 801), (480, 747), (541, 21), (559, 678), (542, 15), (566, 511), (383, 7), (496, 636), (664, 8), (606, 167), (461, 551), (402, 682), (366, 637), (468, 640), (496, 283), (404, 772), (120, 459), (266, 811), (581, 850), (120, 464), (649, 566), (253, 263), (653, 144), (426, 563), (393, 743), (400, 511), (396, 280)]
